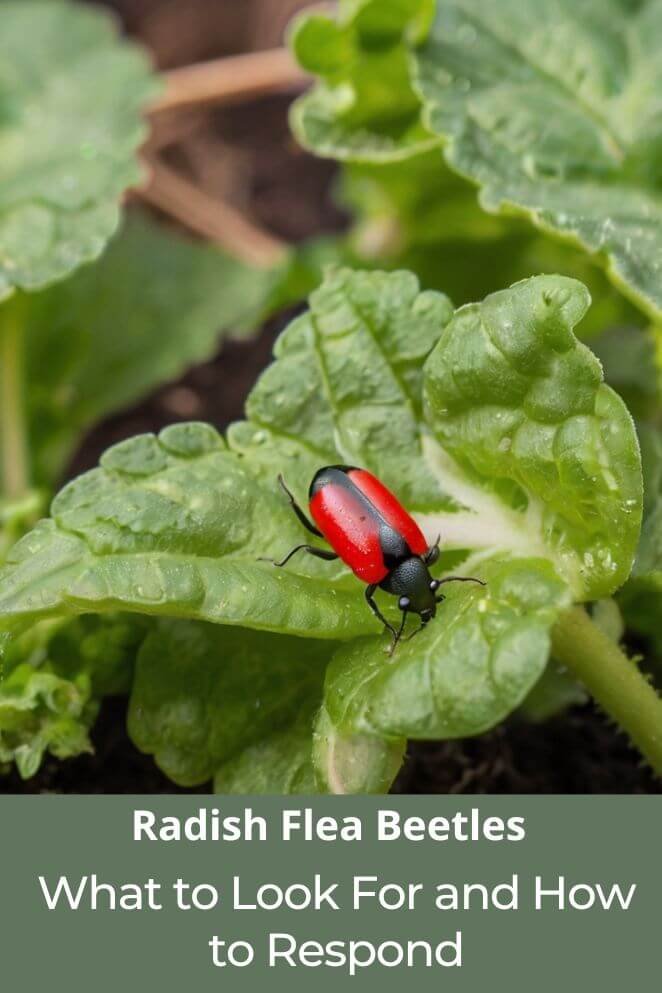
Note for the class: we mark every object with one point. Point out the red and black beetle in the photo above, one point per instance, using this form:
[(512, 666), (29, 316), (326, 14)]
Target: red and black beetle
[(374, 535)]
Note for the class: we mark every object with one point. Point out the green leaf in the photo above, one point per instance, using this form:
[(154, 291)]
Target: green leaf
[(103, 646), (459, 676), (346, 385), (364, 106), (353, 763), (531, 439), (553, 110), (174, 526), (555, 691), (153, 305), (71, 97), (54, 676), (41, 712), (203, 695), (417, 214), (281, 763)]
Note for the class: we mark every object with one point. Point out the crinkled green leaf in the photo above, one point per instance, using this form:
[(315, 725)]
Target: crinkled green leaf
[(553, 110), (417, 214), (71, 97), (53, 677), (203, 695), (353, 763), (364, 106), (531, 439), (346, 385), (153, 305), (462, 674), (173, 526), (41, 712)]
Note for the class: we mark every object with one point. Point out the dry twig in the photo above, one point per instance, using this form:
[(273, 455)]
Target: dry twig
[(230, 80), (215, 220)]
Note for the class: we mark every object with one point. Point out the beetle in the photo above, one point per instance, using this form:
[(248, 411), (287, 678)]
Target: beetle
[(371, 532)]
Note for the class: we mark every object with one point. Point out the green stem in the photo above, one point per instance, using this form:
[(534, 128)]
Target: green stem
[(613, 680), (13, 431)]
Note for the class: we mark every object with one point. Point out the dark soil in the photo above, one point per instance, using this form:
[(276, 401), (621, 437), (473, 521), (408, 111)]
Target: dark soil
[(247, 155)]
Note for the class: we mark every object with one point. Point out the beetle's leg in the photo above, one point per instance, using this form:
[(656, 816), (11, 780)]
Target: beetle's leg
[(369, 595), (398, 635), (419, 628), (432, 553), (307, 523), (440, 598), (461, 579), (319, 553)]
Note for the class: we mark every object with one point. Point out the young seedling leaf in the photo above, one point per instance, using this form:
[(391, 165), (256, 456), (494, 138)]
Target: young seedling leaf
[(364, 106), (71, 98), (42, 712), (53, 678), (553, 110)]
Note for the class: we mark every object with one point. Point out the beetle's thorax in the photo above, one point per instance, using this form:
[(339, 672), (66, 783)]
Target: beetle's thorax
[(411, 578)]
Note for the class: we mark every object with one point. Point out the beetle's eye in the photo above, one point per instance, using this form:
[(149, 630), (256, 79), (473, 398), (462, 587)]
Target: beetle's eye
[(434, 585), (403, 602)]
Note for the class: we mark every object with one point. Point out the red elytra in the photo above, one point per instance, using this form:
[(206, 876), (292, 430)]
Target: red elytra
[(351, 510)]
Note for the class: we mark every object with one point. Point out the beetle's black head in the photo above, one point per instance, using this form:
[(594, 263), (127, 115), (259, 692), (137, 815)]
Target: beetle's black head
[(412, 583)]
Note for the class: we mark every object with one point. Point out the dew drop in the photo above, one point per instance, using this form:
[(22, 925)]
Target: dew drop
[(467, 34)]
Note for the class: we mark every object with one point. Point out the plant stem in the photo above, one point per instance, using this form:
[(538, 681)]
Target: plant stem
[(613, 680), (13, 431)]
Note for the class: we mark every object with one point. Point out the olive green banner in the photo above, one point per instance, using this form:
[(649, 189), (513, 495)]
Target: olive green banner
[(207, 893)]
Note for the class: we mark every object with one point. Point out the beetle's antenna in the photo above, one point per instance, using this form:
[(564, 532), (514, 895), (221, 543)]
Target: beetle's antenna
[(462, 579)]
